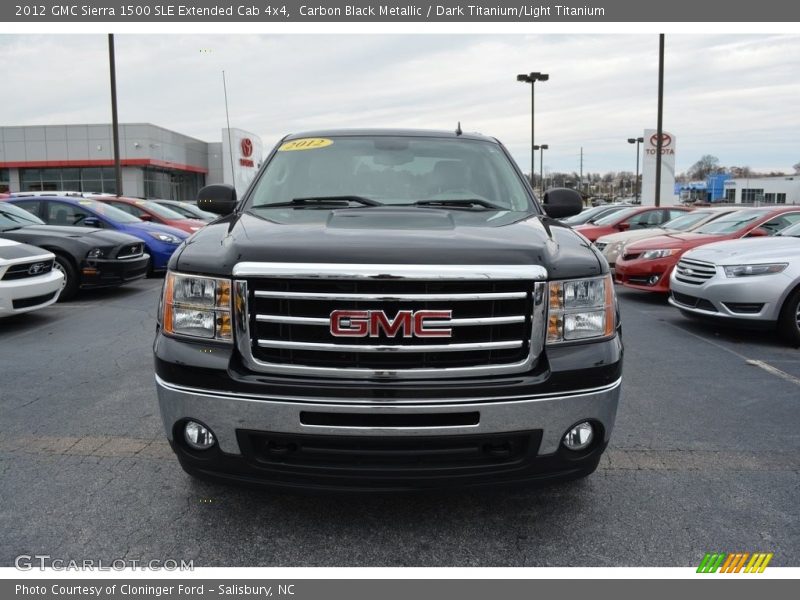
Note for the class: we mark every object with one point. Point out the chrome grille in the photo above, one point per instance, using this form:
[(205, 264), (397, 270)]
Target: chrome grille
[(28, 269), (284, 326), (694, 272)]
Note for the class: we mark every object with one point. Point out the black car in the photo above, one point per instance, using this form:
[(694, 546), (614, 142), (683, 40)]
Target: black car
[(88, 257)]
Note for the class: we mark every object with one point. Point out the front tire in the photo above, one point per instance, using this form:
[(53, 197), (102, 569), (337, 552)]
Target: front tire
[(789, 321), (70, 286)]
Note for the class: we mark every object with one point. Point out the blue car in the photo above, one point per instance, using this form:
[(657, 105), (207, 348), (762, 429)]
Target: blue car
[(161, 240)]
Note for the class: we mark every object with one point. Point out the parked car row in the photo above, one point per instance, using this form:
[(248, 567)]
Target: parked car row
[(735, 265), (93, 240)]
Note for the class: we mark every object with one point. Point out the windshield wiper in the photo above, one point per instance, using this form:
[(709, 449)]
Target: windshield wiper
[(468, 203), (323, 202)]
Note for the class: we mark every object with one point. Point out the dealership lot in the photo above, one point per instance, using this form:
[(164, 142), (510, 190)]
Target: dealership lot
[(704, 458)]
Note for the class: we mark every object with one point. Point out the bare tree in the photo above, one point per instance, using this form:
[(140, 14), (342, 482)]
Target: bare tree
[(707, 165), (797, 168)]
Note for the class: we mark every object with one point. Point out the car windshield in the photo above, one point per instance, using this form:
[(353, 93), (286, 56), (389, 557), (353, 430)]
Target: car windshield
[(687, 221), (615, 216), (391, 170), (730, 223), (159, 209), (791, 231), (114, 214), (12, 217), (590, 213)]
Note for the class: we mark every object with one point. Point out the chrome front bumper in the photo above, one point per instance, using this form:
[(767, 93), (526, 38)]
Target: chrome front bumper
[(225, 413)]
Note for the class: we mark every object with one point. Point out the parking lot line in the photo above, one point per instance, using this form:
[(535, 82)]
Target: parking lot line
[(774, 371)]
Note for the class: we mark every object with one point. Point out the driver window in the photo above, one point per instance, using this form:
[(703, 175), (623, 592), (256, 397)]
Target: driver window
[(65, 214)]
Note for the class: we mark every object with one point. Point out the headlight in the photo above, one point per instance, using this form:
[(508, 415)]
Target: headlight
[(165, 237), (197, 307), (748, 270), (195, 228), (649, 254), (581, 309), (95, 253)]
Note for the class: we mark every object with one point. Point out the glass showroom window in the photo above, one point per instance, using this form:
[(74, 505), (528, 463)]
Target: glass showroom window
[(5, 180)]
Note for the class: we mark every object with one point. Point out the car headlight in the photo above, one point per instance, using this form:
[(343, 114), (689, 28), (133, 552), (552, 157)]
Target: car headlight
[(195, 228), (197, 307), (95, 253), (165, 237), (649, 254), (581, 309), (749, 270)]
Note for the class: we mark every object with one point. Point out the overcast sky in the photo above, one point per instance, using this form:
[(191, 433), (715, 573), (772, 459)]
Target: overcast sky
[(734, 96)]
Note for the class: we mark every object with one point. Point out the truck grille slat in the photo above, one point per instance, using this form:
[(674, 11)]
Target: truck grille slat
[(495, 326), (388, 348)]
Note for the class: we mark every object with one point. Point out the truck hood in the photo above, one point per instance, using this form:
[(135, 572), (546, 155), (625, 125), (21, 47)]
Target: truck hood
[(389, 235), (750, 251)]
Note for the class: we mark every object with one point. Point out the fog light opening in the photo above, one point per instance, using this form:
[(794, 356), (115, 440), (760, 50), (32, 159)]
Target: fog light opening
[(653, 279), (579, 437), (198, 436)]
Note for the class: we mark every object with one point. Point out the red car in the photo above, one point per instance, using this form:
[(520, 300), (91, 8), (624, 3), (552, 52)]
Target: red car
[(636, 217), (147, 210), (647, 264)]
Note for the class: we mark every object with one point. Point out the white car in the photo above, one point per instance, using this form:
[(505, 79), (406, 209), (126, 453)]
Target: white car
[(27, 278), (752, 282)]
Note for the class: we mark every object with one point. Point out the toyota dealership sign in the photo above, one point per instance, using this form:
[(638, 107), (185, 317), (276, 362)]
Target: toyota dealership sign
[(649, 154), (241, 156)]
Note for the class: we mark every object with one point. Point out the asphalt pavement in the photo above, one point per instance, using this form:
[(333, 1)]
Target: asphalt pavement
[(704, 458)]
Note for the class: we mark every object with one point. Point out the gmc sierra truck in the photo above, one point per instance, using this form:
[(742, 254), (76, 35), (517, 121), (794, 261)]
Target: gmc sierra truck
[(388, 310)]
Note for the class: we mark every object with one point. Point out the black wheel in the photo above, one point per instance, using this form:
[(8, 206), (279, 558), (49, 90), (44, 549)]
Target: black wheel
[(789, 321), (70, 285)]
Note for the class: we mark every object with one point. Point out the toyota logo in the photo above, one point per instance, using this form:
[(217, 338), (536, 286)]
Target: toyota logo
[(666, 140), (37, 268), (247, 147)]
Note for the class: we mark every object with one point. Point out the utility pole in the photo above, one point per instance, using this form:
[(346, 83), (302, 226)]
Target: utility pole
[(659, 130), (114, 120)]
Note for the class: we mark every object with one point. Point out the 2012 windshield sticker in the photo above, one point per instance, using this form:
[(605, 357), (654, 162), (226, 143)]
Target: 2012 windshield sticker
[(305, 144)]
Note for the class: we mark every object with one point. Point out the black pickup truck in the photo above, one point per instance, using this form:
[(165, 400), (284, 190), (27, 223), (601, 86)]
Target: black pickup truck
[(388, 310)]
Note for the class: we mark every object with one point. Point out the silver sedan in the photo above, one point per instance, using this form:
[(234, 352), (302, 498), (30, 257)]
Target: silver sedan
[(750, 282)]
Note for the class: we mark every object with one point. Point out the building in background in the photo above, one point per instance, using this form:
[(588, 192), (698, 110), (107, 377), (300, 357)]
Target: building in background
[(156, 162), (784, 189)]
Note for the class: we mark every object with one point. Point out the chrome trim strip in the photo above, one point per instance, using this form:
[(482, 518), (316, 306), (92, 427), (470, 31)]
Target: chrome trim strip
[(378, 401), (390, 297), (317, 347), (388, 271), (443, 323)]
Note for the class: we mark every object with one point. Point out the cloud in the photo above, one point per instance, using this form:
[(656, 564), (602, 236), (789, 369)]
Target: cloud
[(732, 96)]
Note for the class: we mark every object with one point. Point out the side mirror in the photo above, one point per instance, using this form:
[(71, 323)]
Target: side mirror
[(146, 217), (92, 222), (218, 198), (758, 232), (623, 226), (562, 202)]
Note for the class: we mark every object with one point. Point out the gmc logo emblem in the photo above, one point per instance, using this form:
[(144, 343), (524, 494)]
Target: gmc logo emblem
[(371, 323)]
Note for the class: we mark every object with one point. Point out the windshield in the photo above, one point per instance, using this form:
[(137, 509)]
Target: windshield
[(687, 221), (615, 216), (13, 216), (589, 213), (114, 214), (160, 210), (730, 223), (391, 170), (791, 231)]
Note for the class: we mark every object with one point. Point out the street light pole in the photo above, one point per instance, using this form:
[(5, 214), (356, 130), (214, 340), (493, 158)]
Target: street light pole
[(636, 141), (541, 150), (114, 120), (532, 78)]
